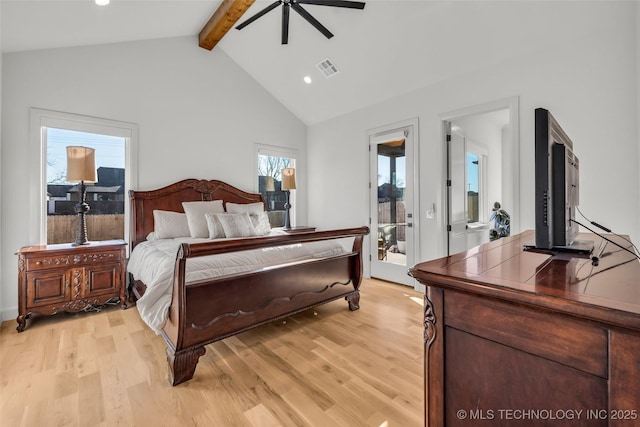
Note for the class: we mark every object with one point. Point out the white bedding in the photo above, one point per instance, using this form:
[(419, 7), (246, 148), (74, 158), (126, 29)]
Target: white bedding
[(153, 263)]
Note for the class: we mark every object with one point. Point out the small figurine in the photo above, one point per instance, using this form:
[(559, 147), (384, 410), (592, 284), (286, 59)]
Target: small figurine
[(501, 222)]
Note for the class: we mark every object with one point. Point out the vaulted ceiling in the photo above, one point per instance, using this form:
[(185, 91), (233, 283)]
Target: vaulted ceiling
[(389, 48)]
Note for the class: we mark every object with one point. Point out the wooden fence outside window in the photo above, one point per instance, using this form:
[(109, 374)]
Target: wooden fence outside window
[(62, 228)]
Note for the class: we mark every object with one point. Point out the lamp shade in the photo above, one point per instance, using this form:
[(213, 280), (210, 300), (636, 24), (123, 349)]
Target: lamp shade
[(269, 184), (288, 179), (81, 164)]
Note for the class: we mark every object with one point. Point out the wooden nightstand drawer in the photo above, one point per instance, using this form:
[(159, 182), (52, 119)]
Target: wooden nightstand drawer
[(69, 260), (43, 263)]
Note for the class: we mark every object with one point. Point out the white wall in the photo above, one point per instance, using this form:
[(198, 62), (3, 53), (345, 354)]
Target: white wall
[(588, 81), (1, 250), (198, 114)]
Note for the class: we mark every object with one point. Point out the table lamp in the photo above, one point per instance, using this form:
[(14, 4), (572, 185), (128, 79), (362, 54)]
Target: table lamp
[(81, 167)]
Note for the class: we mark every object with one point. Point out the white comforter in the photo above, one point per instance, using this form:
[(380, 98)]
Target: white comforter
[(153, 263)]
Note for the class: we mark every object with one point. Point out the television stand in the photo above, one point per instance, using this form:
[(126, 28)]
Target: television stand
[(509, 331), (578, 247)]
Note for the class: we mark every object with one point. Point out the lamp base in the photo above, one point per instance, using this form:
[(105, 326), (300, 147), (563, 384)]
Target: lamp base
[(287, 207), (81, 230)]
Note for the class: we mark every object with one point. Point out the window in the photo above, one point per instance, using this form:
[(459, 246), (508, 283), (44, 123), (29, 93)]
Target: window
[(271, 161), (476, 184), (114, 143), (105, 218), (473, 182)]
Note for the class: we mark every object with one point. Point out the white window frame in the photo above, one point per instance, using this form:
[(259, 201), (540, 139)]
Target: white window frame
[(41, 120), (276, 151)]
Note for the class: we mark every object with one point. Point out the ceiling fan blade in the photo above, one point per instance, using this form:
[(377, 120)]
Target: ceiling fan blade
[(311, 20), (259, 14), (335, 3), (285, 23)]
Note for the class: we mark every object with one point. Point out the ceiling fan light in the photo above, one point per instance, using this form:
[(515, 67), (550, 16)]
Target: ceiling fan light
[(102, 2)]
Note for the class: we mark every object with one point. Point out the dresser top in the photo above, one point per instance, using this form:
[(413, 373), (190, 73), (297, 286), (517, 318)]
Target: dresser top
[(92, 246), (503, 269)]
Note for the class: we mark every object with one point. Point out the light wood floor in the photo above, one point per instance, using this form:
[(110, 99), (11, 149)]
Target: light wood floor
[(333, 367)]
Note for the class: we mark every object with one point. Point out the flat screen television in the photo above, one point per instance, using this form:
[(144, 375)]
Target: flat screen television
[(557, 186)]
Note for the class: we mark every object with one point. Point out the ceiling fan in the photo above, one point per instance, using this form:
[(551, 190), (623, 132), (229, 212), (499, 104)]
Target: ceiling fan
[(296, 5)]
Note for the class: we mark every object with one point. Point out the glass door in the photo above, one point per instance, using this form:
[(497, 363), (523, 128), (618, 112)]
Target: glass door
[(392, 222)]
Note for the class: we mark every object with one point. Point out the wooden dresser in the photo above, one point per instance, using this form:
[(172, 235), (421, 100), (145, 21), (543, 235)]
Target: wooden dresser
[(522, 338), (55, 278)]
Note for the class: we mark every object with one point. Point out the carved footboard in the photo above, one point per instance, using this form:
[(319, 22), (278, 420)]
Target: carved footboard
[(214, 309)]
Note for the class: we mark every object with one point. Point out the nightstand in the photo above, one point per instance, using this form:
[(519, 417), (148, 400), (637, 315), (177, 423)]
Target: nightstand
[(55, 278), (299, 229)]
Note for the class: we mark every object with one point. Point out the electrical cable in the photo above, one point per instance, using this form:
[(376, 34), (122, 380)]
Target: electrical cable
[(605, 229), (609, 240)]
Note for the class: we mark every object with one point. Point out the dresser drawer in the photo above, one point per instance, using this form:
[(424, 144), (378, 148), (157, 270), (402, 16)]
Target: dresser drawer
[(35, 263), (571, 342)]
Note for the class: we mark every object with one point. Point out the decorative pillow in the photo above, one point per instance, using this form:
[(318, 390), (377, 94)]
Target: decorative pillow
[(195, 215), (168, 224), (261, 223), (214, 225), (250, 208), (237, 225)]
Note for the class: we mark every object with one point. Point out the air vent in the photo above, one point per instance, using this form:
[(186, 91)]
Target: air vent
[(327, 68)]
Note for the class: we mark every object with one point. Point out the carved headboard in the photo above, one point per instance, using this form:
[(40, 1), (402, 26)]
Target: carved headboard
[(170, 198)]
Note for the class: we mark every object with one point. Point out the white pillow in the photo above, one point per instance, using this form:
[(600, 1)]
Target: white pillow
[(261, 223), (214, 225), (237, 225), (250, 208), (168, 224), (195, 215)]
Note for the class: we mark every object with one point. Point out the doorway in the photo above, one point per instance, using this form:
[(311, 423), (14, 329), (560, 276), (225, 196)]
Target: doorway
[(481, 173), (392, 194)]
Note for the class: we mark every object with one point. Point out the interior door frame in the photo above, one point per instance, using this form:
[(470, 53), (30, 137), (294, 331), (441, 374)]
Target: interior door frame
[(513, 105), (415, 194)]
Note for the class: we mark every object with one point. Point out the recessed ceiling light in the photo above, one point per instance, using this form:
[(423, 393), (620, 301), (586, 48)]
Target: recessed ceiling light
[(307, 80), (102, 2)]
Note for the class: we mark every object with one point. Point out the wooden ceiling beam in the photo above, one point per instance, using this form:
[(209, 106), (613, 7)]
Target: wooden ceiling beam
[(222, 20)]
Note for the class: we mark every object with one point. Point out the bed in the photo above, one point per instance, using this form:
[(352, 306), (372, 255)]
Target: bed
[(201, 309)]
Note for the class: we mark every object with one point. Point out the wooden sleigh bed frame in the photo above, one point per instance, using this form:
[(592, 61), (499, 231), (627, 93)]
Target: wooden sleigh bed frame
[(213, 309)]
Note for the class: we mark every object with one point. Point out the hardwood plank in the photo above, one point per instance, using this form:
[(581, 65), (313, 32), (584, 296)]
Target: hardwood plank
[(306, 407), (90, 400), (259, 416), (327, 366), (148, 409)]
